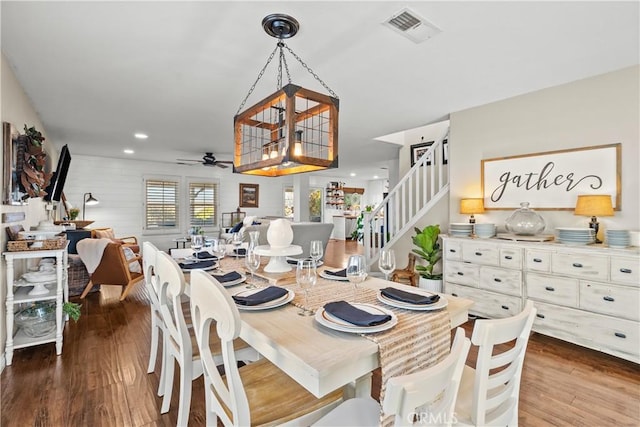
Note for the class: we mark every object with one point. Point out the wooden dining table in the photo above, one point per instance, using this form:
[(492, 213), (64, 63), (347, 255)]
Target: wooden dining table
[(318, 358)]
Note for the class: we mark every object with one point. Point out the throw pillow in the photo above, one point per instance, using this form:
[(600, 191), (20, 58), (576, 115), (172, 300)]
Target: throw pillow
[(105, 234), (236, 228), (134, 266)]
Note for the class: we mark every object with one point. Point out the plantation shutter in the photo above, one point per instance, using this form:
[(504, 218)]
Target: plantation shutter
[(203, 204), (161, 207)]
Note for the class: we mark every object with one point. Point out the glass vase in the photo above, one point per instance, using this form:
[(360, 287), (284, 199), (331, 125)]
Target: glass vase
[(525, 221)]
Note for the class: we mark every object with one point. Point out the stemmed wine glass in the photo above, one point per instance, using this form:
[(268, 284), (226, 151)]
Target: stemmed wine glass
[(236, 241), (218, 249), (316, 251), (196, 243), (306, 277), (252, 261), (387, 262), (356, 272)]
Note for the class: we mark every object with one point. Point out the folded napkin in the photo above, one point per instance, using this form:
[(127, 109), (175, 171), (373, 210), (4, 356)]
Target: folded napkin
[(339, 273), (205, 255), (292, 261), (195, 265), (229, 277), (268, 294), (240, 251), (345, 311), (409, 297)]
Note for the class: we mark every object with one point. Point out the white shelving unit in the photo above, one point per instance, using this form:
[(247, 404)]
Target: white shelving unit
[(20, 295)]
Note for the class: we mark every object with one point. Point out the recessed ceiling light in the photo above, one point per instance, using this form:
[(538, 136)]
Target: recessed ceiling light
[(375, 176), (352, 174), (140, 135), (129, 151)]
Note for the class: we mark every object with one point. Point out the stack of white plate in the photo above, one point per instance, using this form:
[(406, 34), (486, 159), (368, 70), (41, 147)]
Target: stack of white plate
[(485, 231), (617, 238), (576, 236), (460, 229)]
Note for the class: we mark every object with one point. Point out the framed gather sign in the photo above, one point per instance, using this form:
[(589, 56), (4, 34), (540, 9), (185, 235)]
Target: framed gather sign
[(552, 180)]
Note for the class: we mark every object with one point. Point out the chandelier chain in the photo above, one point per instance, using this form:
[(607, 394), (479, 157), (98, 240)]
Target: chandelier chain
[(306, 67), (253, 86)]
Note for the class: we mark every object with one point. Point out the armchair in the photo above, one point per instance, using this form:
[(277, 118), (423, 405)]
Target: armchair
[(115, 269), (108, 233)]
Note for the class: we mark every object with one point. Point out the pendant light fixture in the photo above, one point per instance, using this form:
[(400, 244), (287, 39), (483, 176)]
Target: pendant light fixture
[(293, 130)]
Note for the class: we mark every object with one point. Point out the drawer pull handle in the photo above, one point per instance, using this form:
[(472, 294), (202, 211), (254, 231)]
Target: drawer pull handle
[(505, 307), (452, 251), (549, 288), (508, 257), (479, 253), (577, 265), (625, 270), (620, 335), (541, 316), (607, 298), (460, 273), (497, 280), (454, 294), (537, 260)]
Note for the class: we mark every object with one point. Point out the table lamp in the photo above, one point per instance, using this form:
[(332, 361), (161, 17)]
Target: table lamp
[(88, 201), (594, 205), (471, 206)]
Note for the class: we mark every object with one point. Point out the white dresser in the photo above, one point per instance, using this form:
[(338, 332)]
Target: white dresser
[(588, 295)]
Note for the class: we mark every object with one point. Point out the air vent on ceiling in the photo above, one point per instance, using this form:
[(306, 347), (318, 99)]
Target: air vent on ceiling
[(411, 25)]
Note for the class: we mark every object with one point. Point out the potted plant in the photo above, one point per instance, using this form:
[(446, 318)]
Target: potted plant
[(428, 250)]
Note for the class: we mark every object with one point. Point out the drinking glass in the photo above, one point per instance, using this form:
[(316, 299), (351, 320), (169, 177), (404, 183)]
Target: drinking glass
[(316, 250), (306, 277), (218, 248), (252, 261), (356, 272), (254, 238), (196, 243), (387, 262), (236, 241)]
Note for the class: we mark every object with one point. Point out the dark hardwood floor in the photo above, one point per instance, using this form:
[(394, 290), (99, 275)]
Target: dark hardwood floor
[(100, 379)]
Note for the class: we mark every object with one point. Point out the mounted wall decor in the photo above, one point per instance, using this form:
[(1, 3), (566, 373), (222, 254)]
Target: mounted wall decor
[(417, 150), (552, 180), (13, 150), (249, 195)]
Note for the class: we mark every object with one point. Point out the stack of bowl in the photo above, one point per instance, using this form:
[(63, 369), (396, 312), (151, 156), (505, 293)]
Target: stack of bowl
[(576, 236), (485, 231), (463, 229), (617, 238)]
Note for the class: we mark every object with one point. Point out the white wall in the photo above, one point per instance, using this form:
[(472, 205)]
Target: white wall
[(595, 111)]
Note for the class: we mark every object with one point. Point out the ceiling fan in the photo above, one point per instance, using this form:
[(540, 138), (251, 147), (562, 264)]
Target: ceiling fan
[(207, 160)]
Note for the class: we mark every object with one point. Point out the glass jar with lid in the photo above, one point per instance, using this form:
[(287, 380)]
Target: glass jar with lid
[(525, 221)]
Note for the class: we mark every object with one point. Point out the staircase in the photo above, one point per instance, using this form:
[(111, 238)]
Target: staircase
[(419, 190)]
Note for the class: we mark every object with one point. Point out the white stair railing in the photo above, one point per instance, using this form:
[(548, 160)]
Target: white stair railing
[(416, 193)]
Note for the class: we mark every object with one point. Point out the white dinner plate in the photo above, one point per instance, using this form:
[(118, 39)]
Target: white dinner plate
[(442, 302), (285, 299), (332, 322), (189, 270), (320, 263), (324, 275), (233, 282)]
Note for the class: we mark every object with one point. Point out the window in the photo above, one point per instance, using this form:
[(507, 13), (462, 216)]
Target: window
[(288, 202), (203, 204), (161, 204)]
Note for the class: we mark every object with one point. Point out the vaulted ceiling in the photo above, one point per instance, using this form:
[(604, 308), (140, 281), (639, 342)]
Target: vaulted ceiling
[(97, 72)]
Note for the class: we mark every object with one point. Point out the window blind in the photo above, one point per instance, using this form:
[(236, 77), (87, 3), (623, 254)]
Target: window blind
[(203, 204), (161, 204)]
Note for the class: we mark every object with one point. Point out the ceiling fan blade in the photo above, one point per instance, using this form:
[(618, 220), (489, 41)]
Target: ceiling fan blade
[(220, 165), (229, 162), (189, 160)]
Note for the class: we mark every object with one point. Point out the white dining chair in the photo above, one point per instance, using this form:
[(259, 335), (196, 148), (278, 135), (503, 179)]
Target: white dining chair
[(426, 397), (255, 394), (149, 255), (487, 397), (178, 344)]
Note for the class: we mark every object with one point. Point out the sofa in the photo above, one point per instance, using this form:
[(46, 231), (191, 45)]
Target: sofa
[(303, 234)]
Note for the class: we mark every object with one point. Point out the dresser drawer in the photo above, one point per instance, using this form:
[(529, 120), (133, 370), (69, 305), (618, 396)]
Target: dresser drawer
[(556, 290), (462, 273), (480, 253), (485, 303), (625, 270), (537, 260), (511, 258), (614, 336), (592, 267), (501, 280), (453, 250), (619, 301)]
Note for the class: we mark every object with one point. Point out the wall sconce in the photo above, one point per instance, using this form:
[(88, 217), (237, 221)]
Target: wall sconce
[(594, 205), (471, 206), (88, 201), (293, 130)]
